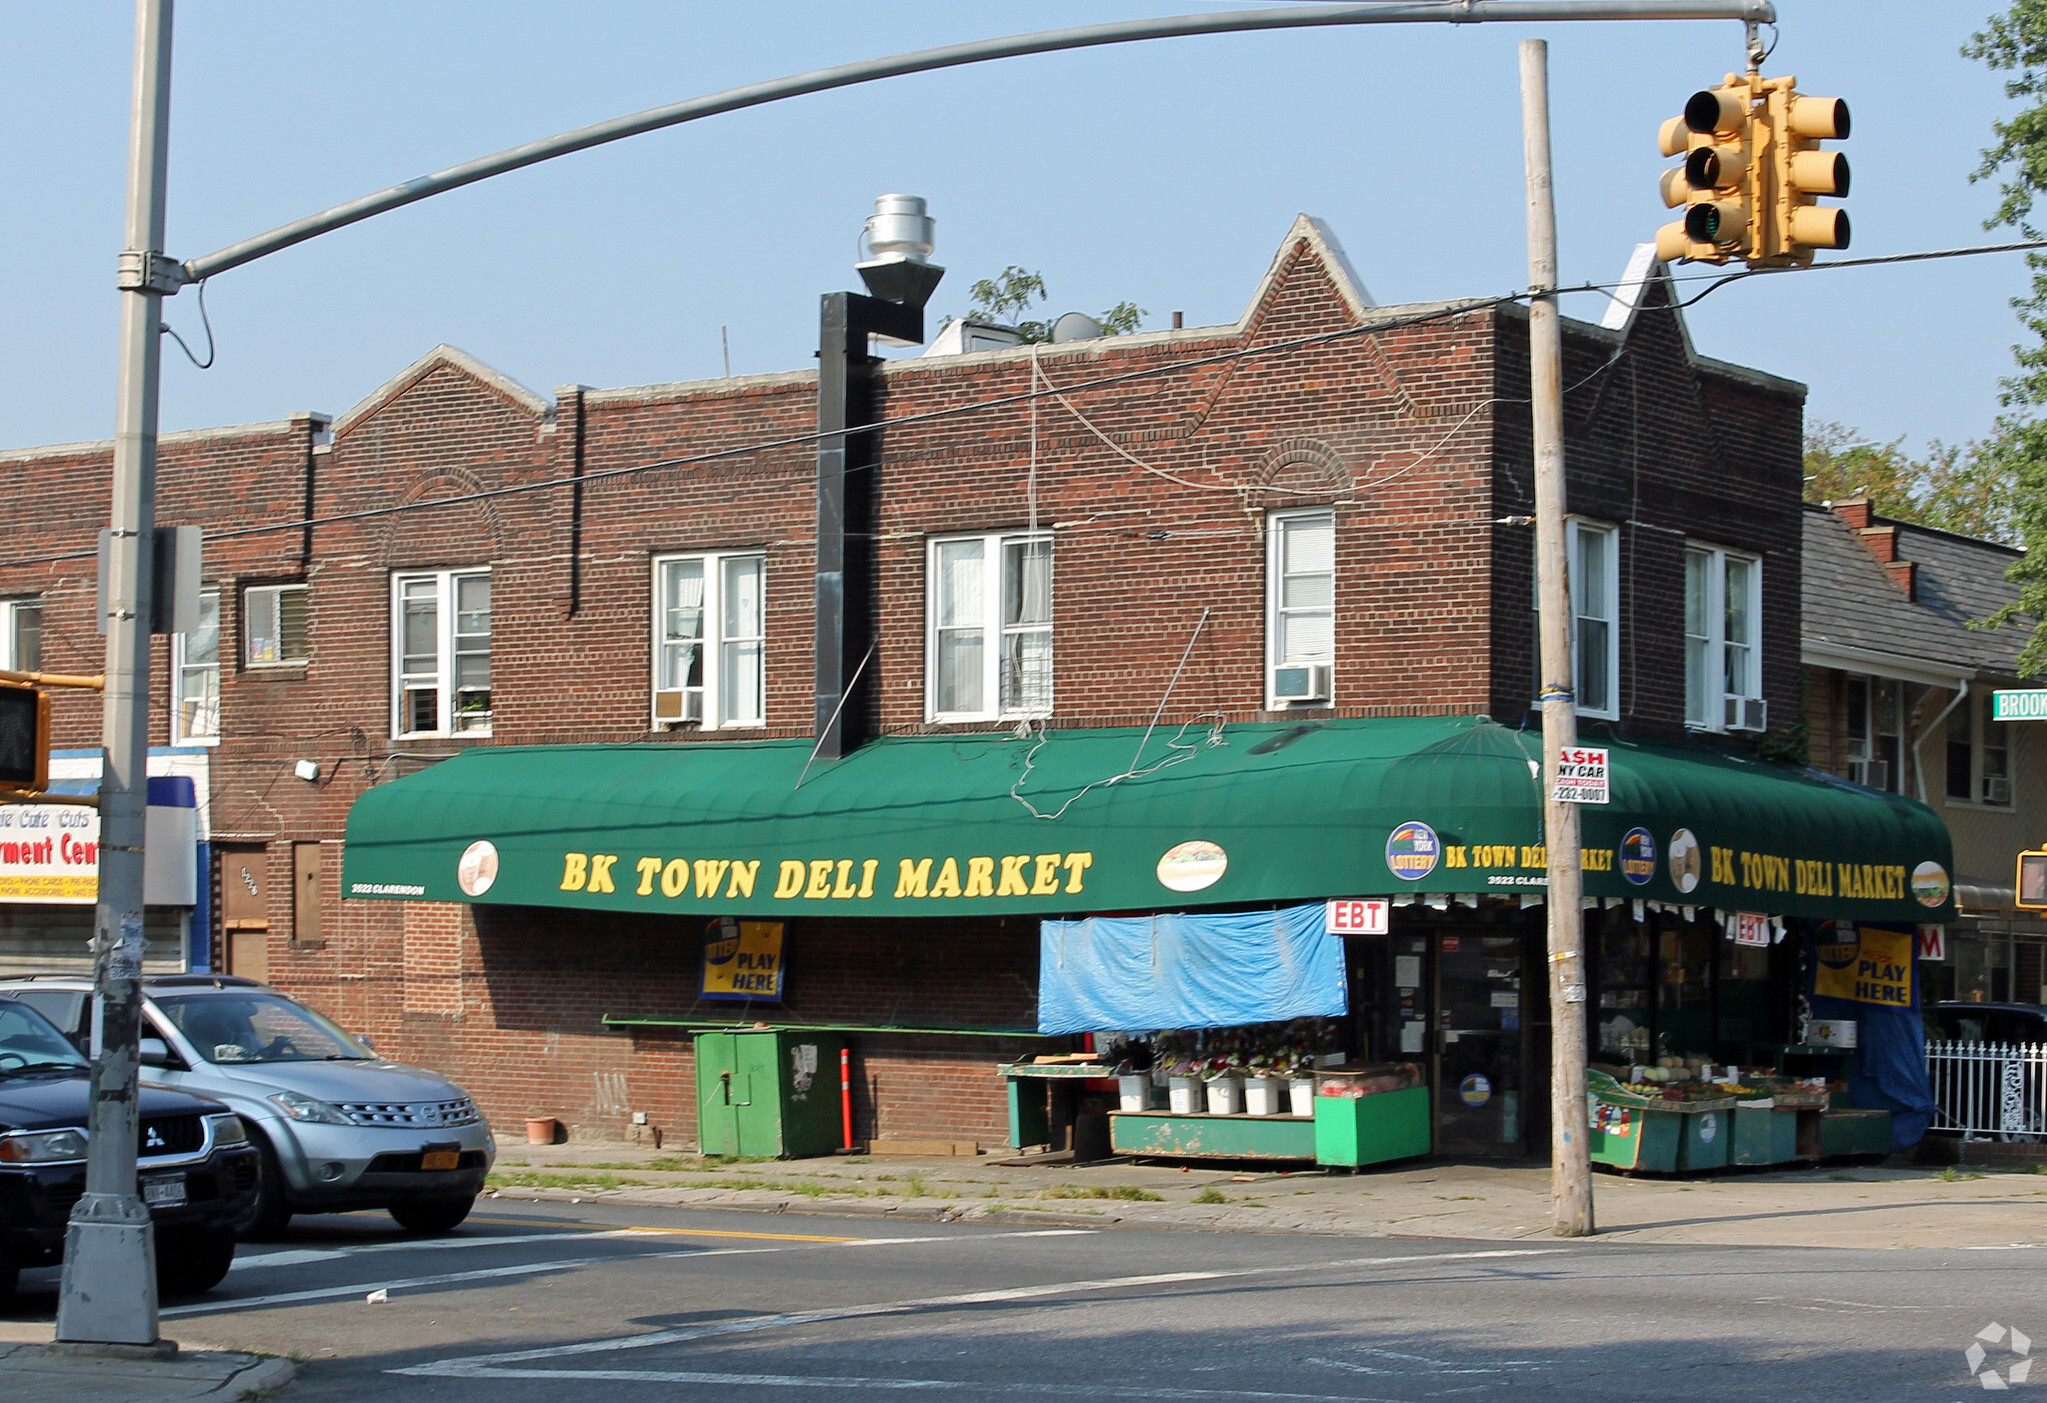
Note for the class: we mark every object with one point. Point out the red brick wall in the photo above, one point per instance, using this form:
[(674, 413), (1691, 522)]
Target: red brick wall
[(1415, 434)]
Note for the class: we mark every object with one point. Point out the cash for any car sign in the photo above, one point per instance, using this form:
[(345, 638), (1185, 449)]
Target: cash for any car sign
[(1581, 776)]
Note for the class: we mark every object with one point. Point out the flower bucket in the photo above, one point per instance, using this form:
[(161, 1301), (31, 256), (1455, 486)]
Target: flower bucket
[(1183, 1094), (1300, 1093), (1264, 1096), (1135, 1093), (540, 1130), (1226, 1096)]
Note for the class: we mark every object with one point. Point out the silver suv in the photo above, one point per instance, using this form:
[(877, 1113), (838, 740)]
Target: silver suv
[(339, 1128)]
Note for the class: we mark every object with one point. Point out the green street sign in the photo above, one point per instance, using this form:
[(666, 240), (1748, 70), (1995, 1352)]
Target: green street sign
[(2019, 706)]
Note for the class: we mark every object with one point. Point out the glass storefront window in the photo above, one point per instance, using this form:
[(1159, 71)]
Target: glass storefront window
[(1624, 993), (1684, 991)]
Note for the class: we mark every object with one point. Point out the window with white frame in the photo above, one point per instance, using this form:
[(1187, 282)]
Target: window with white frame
[(274, 625), (988, 644), (1873, 731), (1723, 659), (1592, 563), (440, 653), (1978, 754), (710, 640), (21, 634), (1300, 608), (195, 676)]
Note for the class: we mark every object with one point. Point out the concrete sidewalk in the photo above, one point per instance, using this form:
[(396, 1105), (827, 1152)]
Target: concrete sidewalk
[(1832, 1206), (46, 1373)]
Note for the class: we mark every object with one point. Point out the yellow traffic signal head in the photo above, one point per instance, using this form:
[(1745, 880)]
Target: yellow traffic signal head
[(24, 738), (1753, 173)]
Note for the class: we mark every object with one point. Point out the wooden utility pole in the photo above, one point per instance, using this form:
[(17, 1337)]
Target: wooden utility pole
[(1570, 1164)]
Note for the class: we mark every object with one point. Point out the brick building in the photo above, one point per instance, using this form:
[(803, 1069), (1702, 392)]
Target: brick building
[(1316, 515)]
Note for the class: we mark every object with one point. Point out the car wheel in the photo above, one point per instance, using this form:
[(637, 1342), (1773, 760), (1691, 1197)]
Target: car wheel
[(268, 1212), (432, 1215), (191, 1261)]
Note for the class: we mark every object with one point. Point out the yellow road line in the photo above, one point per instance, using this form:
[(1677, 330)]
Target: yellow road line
[(675, 1232)]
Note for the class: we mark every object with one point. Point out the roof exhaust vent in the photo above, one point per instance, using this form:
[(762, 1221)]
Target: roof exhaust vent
[(900, 237)]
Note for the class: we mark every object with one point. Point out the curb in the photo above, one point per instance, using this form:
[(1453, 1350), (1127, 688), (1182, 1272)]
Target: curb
[(270, 1374)]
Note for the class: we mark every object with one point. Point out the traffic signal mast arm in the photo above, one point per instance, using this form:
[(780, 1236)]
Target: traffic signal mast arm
[(97, 682), (1753, 173)]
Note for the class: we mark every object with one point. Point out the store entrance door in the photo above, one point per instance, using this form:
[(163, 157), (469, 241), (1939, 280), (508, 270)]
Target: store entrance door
[(1478, 1055)]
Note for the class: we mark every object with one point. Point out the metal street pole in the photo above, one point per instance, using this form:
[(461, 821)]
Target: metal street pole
[(109, 1289), (1570, 1164)]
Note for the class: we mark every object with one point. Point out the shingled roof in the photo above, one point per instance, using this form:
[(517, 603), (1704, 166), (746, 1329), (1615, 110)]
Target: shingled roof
[(1852, 600)]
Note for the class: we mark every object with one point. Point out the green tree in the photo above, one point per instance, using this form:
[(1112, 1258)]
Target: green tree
[(1968, 490), (2016, 43), (1007, 296)]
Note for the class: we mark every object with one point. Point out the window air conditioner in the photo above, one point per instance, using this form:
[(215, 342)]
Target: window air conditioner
[(1747, 714), (1301, 682), (1871, 774), (1996, 789)]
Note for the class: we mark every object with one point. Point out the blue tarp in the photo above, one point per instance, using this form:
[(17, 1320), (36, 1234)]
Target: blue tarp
[(1887, 1071), (1188, 971)]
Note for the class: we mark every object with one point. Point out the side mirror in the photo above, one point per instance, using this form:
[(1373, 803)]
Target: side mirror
[(155, 1052)]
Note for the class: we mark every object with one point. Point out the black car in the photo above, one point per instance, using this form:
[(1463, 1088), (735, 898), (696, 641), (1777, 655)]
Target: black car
[(1986, 1023), (197, 1168)]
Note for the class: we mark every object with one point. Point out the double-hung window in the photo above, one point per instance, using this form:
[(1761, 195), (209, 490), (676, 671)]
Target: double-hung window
[(440, 653), (21, 634), (274, 625), (710, 638), (1723, 662), (1874, 732), (1978, 755), (1300, 609), (988, 644), (195, 677), (1592, 563)]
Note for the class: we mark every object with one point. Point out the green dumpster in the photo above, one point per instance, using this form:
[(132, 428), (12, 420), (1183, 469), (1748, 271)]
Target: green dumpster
[(1356, 1130), (772, 1093)]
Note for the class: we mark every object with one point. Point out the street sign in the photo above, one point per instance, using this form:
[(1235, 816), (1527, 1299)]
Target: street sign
[(1581, 776), (2030, 705), (1364, 915)]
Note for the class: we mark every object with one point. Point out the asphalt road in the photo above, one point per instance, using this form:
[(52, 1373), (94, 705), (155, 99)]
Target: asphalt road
[(551, 1301)]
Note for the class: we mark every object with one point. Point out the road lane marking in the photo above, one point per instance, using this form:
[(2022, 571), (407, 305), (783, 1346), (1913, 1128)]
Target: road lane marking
[(328, 1293), (976, 1387), (699, 1232), (490, 1365), (301, 1256)]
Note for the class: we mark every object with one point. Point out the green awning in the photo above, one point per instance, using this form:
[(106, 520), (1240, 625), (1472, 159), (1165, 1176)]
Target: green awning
[(950, 825)]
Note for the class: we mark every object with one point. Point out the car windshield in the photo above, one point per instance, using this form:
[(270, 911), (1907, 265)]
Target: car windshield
[(257, 1027), (31, 1045)]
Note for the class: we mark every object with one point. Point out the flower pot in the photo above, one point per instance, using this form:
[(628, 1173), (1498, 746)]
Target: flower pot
[(1135, 1093), (1183, 1094), (1265, 1096), (1300, 1092), (1226, 1096), (540, 1130)]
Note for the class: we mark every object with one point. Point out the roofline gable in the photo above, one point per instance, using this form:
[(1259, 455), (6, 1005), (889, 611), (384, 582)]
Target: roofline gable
[(460, 360)]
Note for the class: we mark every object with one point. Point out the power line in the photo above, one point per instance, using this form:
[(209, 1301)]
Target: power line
[(1456, 309)]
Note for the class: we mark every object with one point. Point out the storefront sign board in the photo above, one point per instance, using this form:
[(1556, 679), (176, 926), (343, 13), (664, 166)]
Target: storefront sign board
[(1751, 928), (1933, 942), (1357, 916), (1582, 776), (49, 854), (2029, 704)]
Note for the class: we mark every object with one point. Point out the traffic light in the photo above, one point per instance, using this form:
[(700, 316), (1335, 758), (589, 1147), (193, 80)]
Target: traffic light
[(24, 738), (2032, 882), (1753, 173)]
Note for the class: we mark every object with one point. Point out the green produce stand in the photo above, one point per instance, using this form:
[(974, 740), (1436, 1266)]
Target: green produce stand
[(769, 1093), (1357, 1130), (1703, 1140), (1847, 1132), (1169, 1136), (1756, 1136)]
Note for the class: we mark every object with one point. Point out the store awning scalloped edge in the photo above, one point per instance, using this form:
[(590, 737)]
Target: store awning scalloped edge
[(1113, 820)]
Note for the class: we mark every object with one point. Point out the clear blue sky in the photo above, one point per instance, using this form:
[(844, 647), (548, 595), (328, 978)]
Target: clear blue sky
[(1165, 173)]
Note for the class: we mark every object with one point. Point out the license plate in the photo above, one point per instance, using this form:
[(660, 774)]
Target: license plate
[(164, 1193), (441, 1159)]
